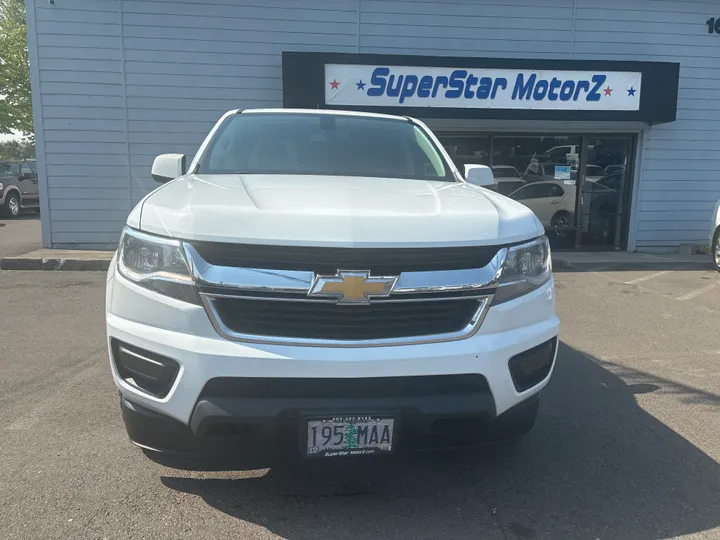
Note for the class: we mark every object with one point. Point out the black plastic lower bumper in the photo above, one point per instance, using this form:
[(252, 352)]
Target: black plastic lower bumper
[(223, 427)]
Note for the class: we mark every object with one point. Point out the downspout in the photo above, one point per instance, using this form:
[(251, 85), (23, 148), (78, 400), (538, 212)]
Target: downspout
[(38, 114), (125, 102)]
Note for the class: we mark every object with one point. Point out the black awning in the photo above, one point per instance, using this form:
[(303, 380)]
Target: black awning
[(486, 88)]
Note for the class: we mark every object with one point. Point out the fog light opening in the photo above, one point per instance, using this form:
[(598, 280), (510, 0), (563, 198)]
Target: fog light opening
[(144, 370), (531, 367)]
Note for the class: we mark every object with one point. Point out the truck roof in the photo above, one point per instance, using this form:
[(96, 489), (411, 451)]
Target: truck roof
[(324, 112)]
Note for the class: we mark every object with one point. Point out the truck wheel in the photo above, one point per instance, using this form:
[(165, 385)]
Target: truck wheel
[(12, 204), (516, 422), (716, 249)]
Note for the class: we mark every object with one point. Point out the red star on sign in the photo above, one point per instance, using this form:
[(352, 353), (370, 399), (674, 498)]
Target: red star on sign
[(608, 91), (334, 84)]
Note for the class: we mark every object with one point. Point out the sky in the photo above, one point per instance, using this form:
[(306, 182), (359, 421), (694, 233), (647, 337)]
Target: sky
[(4, 138)]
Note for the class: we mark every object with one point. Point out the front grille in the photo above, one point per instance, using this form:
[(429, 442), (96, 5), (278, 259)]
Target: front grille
[(328, 321), (324, 260), (337, 388)]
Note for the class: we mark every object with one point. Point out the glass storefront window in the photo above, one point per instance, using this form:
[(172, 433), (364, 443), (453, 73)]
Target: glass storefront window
[(550, 175), (547, 166), (467, 150)]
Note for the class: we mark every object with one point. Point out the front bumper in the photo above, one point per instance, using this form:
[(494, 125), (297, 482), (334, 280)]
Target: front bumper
[(180, 420), (423, 424)]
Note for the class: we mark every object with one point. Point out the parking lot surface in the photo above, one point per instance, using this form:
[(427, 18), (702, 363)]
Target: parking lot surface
[(19, 235), (626, 444)]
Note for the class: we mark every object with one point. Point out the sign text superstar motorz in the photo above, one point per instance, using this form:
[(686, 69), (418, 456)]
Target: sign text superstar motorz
[(481, 88)]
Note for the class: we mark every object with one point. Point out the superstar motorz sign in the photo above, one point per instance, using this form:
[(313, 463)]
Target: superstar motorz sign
[(416, 86)]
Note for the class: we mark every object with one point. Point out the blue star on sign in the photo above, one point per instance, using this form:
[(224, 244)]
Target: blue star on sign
[(631, 91), (360, 85)]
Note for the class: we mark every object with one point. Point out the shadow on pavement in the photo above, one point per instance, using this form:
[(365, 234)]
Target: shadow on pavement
[(596, 466)]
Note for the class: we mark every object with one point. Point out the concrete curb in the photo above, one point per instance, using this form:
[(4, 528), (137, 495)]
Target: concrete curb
[(623, 261), (560, 264), (48, 259)]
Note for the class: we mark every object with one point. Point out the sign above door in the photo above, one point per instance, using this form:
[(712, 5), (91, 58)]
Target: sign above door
[(484, 88), (419, 86)]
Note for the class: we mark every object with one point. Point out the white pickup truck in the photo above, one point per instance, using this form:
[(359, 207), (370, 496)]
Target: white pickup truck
[(715, 236), (327, 284)]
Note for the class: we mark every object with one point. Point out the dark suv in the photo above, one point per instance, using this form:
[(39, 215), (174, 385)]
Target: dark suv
[(18, 186)]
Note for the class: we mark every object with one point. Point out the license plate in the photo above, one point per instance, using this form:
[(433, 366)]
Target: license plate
[(350, 436)]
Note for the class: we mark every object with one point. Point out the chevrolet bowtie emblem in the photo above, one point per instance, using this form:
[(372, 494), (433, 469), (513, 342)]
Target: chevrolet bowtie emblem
[(352, 286)]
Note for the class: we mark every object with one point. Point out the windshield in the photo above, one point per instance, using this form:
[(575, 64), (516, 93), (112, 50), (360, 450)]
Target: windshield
[(321, 144)]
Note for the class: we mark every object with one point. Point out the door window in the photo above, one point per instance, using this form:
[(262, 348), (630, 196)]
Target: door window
[(505, 172), (9, 169), (506, 187), (525, 193), (547, 191), (26, 170)]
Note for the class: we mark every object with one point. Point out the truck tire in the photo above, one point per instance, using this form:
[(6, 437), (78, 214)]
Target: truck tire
[(12, 204), (716, 249)]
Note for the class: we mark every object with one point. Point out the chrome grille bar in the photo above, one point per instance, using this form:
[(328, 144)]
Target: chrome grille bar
[(222, 282), (294, 281)]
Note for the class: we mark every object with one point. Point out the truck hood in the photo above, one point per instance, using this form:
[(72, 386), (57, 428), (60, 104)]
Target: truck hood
[(332, 211)]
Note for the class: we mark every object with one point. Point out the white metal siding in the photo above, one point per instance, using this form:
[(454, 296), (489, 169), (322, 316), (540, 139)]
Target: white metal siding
[(680, 182), (495, 28), (120, 81), (83, 140)]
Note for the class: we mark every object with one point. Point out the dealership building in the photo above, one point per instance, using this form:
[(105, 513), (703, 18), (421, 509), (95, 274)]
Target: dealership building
[(603, 117)]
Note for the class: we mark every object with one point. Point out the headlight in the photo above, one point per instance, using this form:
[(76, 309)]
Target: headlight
[(527, 267), (156, 263)]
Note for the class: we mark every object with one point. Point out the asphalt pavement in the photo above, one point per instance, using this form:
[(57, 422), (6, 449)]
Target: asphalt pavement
[(625, 447), (19, 235)]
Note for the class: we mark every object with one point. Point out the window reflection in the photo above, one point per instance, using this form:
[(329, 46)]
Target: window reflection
[(542, 172), (548, 167), (606, 191)]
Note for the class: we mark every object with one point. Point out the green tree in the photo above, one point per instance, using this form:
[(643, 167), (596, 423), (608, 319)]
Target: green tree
[(17, 150), (15, 100)]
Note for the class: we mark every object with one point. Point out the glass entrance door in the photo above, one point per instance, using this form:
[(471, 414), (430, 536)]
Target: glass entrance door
[(577, 185), (605, 192)]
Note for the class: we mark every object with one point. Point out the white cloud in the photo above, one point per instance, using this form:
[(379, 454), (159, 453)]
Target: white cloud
[(10, 137)]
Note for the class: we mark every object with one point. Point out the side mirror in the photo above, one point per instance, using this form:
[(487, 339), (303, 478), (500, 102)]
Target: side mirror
[(168, 167), (479, 175)]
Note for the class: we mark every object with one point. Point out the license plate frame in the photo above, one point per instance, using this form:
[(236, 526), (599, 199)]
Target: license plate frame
[(378, 419)]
